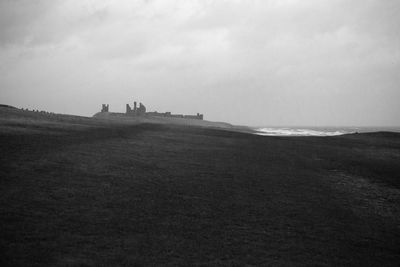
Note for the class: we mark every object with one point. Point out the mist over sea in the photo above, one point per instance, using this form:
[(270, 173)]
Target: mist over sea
[(319, 131)]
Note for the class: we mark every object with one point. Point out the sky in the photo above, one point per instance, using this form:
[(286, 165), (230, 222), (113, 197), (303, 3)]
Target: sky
[(248, 62)]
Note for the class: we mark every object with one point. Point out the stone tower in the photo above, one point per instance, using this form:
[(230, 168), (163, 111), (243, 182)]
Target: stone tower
[(104, 108)]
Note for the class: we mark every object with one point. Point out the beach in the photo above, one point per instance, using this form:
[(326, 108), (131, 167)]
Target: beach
[(81, 191)]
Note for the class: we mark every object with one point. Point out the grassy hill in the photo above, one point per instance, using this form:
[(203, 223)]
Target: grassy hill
[(121, 117), (79, 191)]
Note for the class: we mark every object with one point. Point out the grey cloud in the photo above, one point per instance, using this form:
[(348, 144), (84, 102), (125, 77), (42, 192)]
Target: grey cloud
[(18, 17), (42, 22), (290, 62)]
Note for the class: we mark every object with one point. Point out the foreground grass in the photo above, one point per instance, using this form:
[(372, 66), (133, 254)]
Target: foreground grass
[(174, 195)]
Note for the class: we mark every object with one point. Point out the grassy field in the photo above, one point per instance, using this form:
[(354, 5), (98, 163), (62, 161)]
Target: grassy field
[(83, 192)]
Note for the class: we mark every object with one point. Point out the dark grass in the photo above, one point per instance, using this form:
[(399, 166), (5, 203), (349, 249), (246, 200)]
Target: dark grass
[(150, 194)]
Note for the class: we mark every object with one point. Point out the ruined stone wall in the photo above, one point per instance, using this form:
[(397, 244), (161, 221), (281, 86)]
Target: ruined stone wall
[(141, 111), (105, 108), (195, 117), (128, 109)]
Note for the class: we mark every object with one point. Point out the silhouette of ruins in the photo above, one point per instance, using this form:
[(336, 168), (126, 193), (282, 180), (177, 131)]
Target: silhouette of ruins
[(104, 108), (141, 111)]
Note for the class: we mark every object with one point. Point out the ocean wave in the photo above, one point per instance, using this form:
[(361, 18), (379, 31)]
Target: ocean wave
[(297, 132)]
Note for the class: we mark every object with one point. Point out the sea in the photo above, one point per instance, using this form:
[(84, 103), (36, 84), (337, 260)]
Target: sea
[(319, 131)]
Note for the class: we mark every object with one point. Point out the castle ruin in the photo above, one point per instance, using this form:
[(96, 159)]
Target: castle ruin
[(141, 111), (104, 108)]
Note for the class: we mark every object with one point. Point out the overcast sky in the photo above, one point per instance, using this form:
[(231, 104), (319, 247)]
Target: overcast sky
[(265, 62)]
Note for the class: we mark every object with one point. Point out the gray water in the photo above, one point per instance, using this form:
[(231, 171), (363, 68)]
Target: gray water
[(319, 131)]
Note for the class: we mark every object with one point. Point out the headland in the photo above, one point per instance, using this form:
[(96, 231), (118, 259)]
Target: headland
[(139, 114)]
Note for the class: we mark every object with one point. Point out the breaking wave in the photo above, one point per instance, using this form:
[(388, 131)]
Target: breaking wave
[(298, 132)]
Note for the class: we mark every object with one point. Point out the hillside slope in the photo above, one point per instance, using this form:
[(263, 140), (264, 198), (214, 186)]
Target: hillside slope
[(161, 120), (87, 192)]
